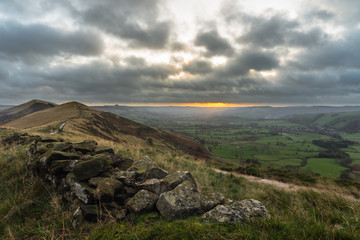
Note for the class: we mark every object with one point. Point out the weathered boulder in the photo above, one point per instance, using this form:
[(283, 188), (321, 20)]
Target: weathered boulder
[(157, 186), (85, 147), (80, 190), (238, 211), (143, 201), (182, 202), (107, 188), (212, 200), (62, 166), (128, 178), (174, 179), (52, 155), (147, 169), (91, 168)]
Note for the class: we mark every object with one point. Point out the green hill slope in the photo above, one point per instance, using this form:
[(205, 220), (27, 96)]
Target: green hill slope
[(348, 122)]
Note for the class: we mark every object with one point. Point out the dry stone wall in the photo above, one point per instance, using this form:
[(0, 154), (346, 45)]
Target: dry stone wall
[(101, 184)]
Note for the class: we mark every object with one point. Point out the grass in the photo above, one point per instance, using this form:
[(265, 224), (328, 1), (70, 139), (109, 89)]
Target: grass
[(324, 166), (30, 209)]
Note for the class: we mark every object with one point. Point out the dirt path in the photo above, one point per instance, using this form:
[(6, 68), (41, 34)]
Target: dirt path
[(286, 186)]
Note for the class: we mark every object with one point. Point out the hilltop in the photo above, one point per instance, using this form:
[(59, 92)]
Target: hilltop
[(10, 114), (81, 119)]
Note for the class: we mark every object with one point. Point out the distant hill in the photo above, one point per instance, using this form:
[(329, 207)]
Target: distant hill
[(10, 114), (2, 107), (201, 113), (105, 125), (348, 122)]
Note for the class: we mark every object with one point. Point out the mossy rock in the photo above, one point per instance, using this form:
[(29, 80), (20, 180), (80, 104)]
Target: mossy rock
[(92, 168), (182, 202), (107, 188), (142, 201)]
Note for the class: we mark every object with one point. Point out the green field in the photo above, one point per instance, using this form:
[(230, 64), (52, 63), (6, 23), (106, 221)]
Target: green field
[(324, 166), (278, 144)]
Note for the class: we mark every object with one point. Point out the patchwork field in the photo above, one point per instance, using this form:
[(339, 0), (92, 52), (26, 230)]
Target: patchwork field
[(277, 144)]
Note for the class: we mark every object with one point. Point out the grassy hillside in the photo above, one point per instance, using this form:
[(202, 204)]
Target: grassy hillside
[(16, 112), (30, 209), (348, 122), (85, 121)]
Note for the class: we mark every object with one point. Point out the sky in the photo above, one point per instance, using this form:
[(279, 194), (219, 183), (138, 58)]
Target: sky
[(158, 52)]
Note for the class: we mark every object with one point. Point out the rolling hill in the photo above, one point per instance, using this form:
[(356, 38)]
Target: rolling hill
[(347, 122), (82, 119), (10, 114)]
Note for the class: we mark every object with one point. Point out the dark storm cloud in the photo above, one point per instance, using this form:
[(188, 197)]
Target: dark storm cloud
[(279, 31), (34, 40), (344, 53), (250, 59), (198, 67), (214, 44), (134, 21)]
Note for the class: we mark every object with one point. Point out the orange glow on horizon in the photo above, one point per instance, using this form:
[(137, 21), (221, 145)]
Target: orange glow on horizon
[(207, 105), (212, 105)]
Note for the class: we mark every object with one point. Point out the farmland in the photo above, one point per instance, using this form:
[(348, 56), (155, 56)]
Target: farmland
[(276, 144)]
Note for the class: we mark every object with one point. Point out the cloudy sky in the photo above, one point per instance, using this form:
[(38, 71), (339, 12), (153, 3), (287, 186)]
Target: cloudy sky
[(251, 52)]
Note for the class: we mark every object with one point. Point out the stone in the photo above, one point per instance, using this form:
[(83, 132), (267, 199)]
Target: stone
[(52, 155), (62, 166), (94, 182), (124, 164), (121, 198), (182, 202), (107, 188), (157, 186), (48, 140), (212, 200), (91, 168), (143, 201), (63, 147), (176, 178), (90, 212), (147, 168), (104, 150), (237, 211), (130, 191), (80, 190), (85, 147)]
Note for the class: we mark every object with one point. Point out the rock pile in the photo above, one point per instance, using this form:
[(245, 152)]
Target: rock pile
[(101, 184)]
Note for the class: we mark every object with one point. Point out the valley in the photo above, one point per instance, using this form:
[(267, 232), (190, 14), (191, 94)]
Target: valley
[(286, 143), (306, 175)]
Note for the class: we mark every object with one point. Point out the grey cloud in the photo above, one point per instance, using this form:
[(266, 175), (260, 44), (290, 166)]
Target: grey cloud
[(198, 67), (178, 46), (320, 14), (134, 21), (279, 31), (27, 41), (336, 54), (4, 75), (214, 43), (250, 59)]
